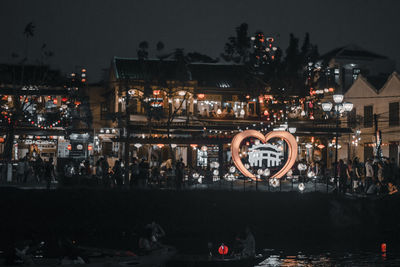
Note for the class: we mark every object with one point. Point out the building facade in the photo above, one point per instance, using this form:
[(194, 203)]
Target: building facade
[(375, 117)]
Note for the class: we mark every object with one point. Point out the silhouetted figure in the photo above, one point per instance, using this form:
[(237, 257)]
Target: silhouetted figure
[(49, 172), (341, 171), (38, 168), (133, 182), (118, 173), (179, 172), (105, 168), (143, 173)]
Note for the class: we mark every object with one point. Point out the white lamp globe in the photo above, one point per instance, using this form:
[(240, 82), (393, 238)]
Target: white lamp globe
[(267, 172), (348, 106), (338, 98), (327, 106)]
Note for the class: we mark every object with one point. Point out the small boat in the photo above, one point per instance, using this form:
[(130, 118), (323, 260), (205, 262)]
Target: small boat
[(200, 261), (94, 257)]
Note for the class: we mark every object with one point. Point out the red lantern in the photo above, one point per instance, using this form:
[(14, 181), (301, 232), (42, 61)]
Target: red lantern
[(55, 101), (69, 147), (223, 250), (383, 247), (90, 147)]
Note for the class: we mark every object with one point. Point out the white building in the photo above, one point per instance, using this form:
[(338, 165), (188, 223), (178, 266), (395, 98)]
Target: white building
[(370, 102)]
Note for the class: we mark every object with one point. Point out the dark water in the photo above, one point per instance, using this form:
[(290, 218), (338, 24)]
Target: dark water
[(331, 259)]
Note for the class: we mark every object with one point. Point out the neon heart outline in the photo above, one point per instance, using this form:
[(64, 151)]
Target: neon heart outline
[(288, 137)]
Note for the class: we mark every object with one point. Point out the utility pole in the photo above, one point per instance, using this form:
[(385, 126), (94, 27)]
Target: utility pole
[(127, 135), (378, 138)]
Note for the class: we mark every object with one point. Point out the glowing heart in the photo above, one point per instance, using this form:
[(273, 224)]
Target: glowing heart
[(289, 139)]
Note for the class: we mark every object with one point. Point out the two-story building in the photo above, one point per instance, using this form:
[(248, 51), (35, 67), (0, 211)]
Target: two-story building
[(376, 109)]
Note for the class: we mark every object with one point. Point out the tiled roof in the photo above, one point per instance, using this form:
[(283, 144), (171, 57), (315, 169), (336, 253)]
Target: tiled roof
[(351, 51), (206, 74)]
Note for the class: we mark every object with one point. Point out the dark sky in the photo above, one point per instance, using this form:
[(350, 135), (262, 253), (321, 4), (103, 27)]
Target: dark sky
[(90, 32)]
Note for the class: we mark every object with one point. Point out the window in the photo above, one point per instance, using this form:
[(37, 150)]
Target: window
[(352, 118), (103, 111), (394, 114), (368, 116)]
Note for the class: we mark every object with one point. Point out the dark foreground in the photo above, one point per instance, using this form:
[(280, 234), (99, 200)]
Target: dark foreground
[(290, 221)]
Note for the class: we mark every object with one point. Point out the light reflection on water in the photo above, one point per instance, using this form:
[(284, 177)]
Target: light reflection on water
[(327, 259)]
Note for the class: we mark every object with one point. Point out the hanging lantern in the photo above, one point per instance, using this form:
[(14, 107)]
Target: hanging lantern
[(223, 249)]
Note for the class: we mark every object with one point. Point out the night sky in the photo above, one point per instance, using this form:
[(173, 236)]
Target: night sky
[(90, 33)]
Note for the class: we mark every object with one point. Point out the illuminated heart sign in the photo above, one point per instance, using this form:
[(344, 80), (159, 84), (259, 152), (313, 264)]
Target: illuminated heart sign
[(289, 139)]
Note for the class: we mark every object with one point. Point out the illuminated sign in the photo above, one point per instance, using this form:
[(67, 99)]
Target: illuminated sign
[(286, 136)]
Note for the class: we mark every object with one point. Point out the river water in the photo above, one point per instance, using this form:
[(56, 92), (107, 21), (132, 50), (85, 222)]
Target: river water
[(330, 259)]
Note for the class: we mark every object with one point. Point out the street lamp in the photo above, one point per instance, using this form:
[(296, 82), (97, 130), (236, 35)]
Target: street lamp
[(339, 109)]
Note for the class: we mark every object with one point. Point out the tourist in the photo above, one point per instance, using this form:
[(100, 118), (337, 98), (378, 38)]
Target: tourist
[(179, 173), (38, 168), (392, 189), (21, 169), (99, 171), (369, 174), (49, 173), (143, 173), (105, 168), (117, 173), (342, 173), (134, 173), (350, 176)]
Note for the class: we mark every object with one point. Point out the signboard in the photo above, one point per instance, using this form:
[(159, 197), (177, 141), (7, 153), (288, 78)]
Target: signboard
[(257, 156)]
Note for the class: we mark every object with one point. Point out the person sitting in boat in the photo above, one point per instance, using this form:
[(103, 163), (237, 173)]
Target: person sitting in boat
[(157, 232), (146, 245), (249, 244)]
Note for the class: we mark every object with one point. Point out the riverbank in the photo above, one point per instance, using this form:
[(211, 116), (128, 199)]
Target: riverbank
[(282, 220)]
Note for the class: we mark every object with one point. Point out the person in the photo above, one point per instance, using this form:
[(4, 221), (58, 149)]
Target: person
[(49, 172), (145, 243), (143, 173), (99, 170), (105, 168), (350, 176), (179, 170), (341, 171), (369, 174), (157, 232), (155, 176), (249, 244), (38, 168), (117, 173), (21, 169), (392, 189), (134, 173)]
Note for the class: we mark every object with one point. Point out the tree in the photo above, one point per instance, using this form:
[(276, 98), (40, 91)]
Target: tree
[(237, 49)]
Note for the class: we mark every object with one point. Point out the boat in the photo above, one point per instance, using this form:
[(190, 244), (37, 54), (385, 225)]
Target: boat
[(219, 261), (95, 257)]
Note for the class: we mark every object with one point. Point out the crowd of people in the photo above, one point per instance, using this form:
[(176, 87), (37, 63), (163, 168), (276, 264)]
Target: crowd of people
[(32, 168), (373, 177)]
